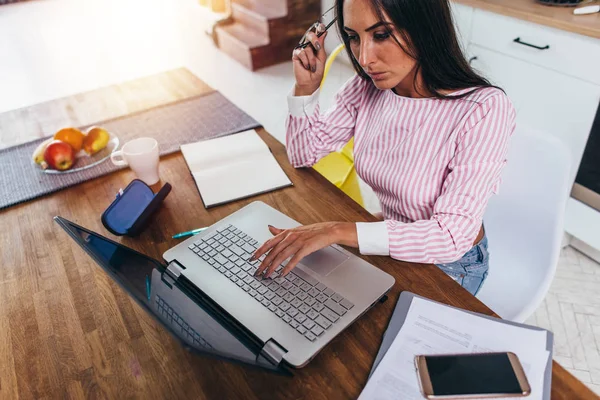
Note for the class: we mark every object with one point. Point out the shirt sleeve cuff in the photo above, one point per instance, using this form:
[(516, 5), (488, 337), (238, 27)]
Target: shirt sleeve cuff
[(302, 106), (373, 238)]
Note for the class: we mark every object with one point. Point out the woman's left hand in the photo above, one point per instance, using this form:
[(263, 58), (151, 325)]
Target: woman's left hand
[(300, 242)]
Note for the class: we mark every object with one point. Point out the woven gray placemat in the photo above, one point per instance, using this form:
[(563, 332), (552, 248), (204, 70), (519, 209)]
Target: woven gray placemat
[(185, 121)]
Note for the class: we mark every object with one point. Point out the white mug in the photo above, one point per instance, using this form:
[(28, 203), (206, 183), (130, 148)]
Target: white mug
[(142, 157)]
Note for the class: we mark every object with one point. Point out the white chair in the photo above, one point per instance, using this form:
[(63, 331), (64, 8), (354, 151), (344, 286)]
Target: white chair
[(524, 225)]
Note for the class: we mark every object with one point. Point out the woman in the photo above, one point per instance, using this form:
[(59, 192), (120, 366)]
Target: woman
[(430, 138)]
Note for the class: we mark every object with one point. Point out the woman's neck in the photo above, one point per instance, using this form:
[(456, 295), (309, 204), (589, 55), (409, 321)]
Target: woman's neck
[(412, 85)]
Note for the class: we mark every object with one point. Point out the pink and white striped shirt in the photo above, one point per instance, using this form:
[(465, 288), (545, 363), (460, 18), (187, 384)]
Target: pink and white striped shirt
[(432, 163)]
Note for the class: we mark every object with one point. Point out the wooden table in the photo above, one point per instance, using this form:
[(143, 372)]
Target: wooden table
[(68, 331)]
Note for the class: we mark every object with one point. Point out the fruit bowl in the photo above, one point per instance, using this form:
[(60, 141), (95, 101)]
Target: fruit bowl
[(84, 160)]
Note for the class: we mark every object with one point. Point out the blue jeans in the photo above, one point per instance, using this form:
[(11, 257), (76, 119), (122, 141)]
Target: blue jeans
[(472, 269)]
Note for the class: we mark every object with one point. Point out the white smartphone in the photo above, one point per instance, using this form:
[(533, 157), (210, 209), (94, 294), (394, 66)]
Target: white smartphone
[(470, 376)]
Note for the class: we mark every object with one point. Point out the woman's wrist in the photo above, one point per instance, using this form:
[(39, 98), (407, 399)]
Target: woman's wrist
[(345, 234), (303, 90)]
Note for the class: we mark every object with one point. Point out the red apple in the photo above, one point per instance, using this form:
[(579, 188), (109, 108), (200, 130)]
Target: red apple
[(59, 155)]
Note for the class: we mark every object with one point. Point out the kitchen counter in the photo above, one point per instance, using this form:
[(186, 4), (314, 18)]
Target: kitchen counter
[(529, 10)]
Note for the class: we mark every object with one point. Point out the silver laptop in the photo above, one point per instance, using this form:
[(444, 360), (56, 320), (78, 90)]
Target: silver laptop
[(294, 317)]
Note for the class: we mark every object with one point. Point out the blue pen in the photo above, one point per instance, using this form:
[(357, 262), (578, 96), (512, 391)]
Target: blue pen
[(188, 233)]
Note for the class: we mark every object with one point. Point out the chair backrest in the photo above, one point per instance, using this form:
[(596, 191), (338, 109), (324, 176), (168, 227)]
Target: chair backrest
[(524, 224)]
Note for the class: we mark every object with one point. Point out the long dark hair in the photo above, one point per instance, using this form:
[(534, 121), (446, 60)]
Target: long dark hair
[(427, 29)]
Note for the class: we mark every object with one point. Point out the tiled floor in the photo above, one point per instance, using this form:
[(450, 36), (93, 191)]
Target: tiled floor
[(54, 48), (572, 311)]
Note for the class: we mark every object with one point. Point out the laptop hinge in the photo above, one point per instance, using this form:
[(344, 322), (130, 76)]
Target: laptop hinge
[(173, 272), (273, 352)]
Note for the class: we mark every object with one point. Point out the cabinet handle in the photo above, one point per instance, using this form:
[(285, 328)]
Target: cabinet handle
[(472, 59), (518, 40)]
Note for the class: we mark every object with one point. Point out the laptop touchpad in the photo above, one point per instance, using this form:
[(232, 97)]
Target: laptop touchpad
[(324, 261)]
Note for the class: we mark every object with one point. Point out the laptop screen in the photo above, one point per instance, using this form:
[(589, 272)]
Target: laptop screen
[(198, 325)]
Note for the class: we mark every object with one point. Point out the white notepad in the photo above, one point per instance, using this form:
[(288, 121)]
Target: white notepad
[(233, 167)]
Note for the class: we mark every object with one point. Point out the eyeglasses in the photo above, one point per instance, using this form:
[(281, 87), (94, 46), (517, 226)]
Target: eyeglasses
[(328, 18)]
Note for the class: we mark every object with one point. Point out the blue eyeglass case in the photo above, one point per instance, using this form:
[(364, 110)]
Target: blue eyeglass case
[(131, 210)]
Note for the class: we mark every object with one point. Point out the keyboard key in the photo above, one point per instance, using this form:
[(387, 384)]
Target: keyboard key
[(240, 283), (222, 270), (308, 323), (254, 293), (312, 314), (220, 259), (234, 270), (249, 279), (292, 312), (314, 292), (310, 336), (248, 248), (301, 329), (281, 292), (279, 313), (277, 300), (286, 285), (234, 279), (233, 258), (262, 290), (323, 322), (306, 287), (317, 330), (337, 298), (220, 249), (242, 275), (291, 277), (236, 231), (303, 308), (296, 303), (211, 261), (288, 297), (322, 298), (246, 257), (295, 290), (284, 306), (287, 318), (192, 246), (255, 284), (328, 292), (240, 262), (300, 317), (259, 297), (302, 295), (310, 301), (236, 249), (306, 277), (246, 267), (339, 310), (229, 265), (269, 294), (246, 288), (272, 307), (330, 315), (294, 324), (348, 305), (318, 306), (228, 274), (265, 302)]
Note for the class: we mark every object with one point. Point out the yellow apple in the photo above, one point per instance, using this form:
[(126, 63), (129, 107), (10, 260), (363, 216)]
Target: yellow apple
[(95, 140)]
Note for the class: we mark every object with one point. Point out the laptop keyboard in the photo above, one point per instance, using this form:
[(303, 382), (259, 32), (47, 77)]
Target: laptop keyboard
[(300, 300), (167, 311)]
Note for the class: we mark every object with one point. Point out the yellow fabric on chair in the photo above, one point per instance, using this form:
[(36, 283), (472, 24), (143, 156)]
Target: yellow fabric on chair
[(338, 167)]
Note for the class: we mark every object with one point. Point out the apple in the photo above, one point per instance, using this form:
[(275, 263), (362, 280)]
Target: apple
[(59, 155), (95, 140)]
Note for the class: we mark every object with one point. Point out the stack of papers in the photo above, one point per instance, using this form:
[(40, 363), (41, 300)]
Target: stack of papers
[(431, 328)]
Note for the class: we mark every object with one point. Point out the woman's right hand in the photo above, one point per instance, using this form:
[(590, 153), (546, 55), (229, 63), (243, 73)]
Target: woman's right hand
[(309, 64)]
